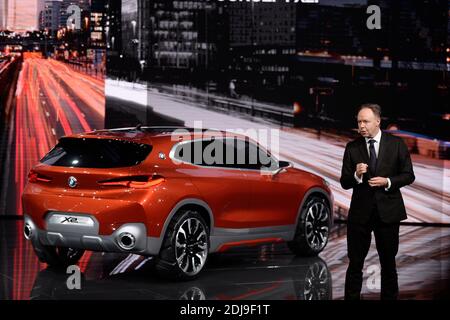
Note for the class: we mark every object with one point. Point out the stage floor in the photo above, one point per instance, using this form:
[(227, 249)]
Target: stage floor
[(264, 272)]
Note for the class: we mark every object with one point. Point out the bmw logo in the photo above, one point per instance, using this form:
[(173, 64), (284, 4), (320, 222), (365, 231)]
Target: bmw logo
[(72, 181)]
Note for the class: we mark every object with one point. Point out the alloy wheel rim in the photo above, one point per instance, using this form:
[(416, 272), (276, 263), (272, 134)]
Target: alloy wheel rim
[(193, 293), (191, 246), (317, 226), (316, 282)]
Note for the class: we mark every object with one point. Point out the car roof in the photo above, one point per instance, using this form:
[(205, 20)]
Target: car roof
[(148, 134)]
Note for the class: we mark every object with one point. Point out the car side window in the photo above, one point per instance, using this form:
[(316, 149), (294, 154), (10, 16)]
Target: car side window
[(257, 157), (243, 154), (206, 152), (225, 153)]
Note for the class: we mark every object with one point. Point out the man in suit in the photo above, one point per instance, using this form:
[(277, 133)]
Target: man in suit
[(376, 166)]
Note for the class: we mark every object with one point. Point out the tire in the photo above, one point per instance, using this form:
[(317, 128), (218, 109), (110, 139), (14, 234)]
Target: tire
[(312, 232), (185, 247), (57, 257)]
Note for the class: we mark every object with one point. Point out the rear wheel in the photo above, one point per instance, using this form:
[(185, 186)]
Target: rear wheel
[(313, 228), (58, 257), (185, 247)]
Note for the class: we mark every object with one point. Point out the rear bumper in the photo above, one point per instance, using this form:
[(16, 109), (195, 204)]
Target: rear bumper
[(88, 238), (112, 211)]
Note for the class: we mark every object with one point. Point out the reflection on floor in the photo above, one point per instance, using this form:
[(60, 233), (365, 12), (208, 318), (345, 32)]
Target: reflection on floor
[(265, 272)]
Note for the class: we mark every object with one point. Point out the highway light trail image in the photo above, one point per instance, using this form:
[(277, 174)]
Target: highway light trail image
[(52, 100)]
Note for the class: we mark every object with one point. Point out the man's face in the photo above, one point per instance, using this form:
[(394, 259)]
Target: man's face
[(368, 123)]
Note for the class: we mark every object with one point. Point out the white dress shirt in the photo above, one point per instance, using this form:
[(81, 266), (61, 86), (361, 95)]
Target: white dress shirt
[(376, 145)]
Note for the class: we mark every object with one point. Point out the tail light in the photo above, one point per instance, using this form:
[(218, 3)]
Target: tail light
[(33, 177), (137, 182)]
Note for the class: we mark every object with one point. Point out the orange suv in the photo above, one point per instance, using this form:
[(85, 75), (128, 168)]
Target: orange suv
[(177, 194)]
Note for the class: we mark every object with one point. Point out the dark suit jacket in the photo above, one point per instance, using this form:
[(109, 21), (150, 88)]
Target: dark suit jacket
[(394, 163)]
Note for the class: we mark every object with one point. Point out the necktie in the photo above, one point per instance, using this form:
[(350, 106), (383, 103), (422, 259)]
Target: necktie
[(373, 157)]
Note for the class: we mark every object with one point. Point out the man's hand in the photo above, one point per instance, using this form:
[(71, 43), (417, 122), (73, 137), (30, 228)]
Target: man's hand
[(378, 182), (361, 168)]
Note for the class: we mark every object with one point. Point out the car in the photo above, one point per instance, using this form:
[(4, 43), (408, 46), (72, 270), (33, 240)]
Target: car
[(177, 194)]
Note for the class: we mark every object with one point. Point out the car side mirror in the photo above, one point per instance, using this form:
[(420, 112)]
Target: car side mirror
[(282, 166)]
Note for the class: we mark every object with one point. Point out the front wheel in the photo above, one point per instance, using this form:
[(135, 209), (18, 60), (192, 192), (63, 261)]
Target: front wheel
[(312, 231), (185, 247)]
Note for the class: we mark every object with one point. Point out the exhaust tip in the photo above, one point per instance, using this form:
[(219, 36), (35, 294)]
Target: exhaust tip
[(27, 231), (126, 241)]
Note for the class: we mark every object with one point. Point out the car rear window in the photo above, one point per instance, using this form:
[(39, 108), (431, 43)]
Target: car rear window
[(96, 153)]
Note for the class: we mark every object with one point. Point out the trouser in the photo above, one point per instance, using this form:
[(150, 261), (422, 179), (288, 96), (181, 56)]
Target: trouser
[(359, 236)]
